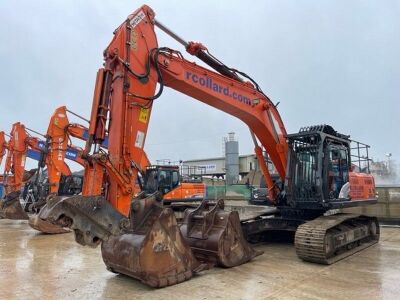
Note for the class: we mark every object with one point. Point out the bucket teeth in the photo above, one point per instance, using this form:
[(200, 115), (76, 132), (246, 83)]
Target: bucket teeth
[(216, 236), (10, 207)]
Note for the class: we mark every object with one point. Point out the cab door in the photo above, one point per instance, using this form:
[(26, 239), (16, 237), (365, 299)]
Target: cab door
[(337, 169)]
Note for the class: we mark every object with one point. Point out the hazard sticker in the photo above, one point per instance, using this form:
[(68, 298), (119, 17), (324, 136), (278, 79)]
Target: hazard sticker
[(144, 115)]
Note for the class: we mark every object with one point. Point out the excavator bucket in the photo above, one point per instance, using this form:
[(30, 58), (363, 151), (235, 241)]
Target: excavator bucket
[(41, 225), (10, 207), (148, 246), (216, 236), (46, 227)]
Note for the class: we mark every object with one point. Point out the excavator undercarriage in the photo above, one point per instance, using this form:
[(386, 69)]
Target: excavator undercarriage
[(324, 240), (328, 239)]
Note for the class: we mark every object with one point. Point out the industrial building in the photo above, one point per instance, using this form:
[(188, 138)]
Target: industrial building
[(232, 167)]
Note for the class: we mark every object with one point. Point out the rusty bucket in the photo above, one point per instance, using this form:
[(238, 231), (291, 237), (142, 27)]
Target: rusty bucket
[(148, 246), (153, 249), (39, 224), (10, 207), (216, 236), (44, 226)]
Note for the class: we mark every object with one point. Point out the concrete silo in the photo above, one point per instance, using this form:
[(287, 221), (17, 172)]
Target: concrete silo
[(231, 159)]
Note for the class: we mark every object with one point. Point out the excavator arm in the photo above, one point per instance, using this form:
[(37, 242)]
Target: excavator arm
[(3, 152), (124, 94), (239, 99), (59, 123), (3, 146), (14, 169)]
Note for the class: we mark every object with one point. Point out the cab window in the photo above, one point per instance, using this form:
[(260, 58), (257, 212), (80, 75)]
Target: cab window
[(338, 170), (175, 179), (306, 168)]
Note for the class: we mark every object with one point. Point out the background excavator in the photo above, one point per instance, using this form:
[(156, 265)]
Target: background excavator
[(172, 184), (53, 176), (58, 146), (3, 146), (21, 146), (14, 174), (3, 152), (144, 241)]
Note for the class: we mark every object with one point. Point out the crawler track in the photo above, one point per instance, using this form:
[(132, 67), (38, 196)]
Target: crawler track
[(328, 239)]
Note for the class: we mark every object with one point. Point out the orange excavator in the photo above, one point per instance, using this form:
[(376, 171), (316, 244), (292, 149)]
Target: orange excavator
[(3, 152), (168, 180), (57, 149), (15, 174), (138, 236), (21, 146), (3, 146), (50, 154)]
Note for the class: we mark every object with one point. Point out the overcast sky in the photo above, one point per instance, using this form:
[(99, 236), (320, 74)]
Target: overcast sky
[(334, 62)]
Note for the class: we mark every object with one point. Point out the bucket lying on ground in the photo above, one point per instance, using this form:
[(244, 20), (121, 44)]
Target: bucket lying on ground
[(216, 236), (10, 207), (46, 227)]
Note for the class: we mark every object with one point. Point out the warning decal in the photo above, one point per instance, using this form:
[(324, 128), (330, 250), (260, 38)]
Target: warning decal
[(139, 139), (143, 115)]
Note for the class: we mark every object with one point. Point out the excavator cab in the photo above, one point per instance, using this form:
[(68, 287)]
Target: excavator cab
[(173, 185), (320, 170), (161, 179), (319, 179), (70, 185)]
